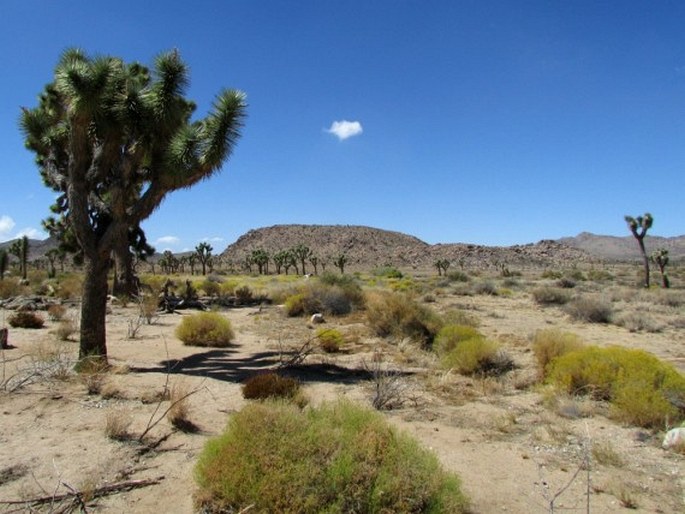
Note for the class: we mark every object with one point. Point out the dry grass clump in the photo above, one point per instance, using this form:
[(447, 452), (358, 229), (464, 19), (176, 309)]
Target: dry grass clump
[(25, 319), (10, 288), (636, 321), (57, 312), (605, 454), (205, 329), (117, 424), (547, 295), (641, 389), (551, 343), (590, 309), (178, 413), (399, 315), (330, 339), (69, 286), (270, 385), (65, 329), (339, 457)]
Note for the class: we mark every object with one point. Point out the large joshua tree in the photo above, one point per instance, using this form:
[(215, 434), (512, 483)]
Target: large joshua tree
[(639, 227), (113, 139)]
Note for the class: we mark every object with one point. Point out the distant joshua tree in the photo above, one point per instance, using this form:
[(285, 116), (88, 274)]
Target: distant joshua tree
[(261, 259), (204, 254), (302, 253), (660, 257), (639, 227), (442, 265), (340, 262)]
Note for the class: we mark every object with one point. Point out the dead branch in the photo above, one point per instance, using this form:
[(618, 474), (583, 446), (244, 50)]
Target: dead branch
[(77, 496)]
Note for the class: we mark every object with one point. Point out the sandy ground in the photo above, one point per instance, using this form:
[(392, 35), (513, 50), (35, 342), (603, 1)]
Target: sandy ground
[(512, 452)]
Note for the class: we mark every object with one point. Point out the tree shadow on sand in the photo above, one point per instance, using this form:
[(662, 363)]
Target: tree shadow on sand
[(222, 364)]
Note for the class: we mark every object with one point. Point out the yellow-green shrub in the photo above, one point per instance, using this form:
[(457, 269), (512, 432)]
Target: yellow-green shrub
[(274, 457), (205, 329), (450, 336), (330, 339), (477, 356), (638, 385), (551, 343)]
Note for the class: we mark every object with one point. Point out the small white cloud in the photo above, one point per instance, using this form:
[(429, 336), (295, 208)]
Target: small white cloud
[(32, 233), (6, 225), (167, 240), (344, 129)]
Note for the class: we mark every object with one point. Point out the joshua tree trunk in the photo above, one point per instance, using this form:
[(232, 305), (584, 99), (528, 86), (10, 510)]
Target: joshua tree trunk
[(125, 282), (94, 310), (645, 260)]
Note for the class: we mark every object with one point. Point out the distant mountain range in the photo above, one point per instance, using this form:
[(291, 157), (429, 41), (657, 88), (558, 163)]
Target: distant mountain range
[(367, 247), (624, 248)]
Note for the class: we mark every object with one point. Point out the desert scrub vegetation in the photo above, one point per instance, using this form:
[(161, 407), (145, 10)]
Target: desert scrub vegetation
[(25, 319), (336, 458), (270, 385), (451, 335), (591, 309), (205, 329), (478, 356), (331, 340), (329, 295), (399, 315), (548, 295), (552, 343), (641, 389)]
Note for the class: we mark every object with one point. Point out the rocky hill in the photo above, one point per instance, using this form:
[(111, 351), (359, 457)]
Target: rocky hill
[(624, 248), (367, 248)]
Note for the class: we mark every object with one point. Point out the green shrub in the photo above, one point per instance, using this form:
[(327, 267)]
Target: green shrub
[(550, 344), (598, 275), (270, 385), (337, 458), (397, 314), (485, 288), (388, 272), (205, 329), (590, 309), (25, 319), (642, 390), (478, 356), (243, 294), (551, 274), (457, 276), (566, 283), (547, 295), (330, 339), (450, 336), (210, 287), (327, 298)]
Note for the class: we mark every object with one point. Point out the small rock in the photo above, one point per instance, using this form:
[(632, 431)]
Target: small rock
[(674, 437), (317, 318)]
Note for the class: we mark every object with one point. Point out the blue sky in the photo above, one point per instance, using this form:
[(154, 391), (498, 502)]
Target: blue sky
[(490, 122)]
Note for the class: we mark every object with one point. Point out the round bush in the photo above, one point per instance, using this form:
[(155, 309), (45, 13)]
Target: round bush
[(337, 458), (478, 356), (550, 344), (205, 329), (26, 319), (451, 335), (330, 339), (642, 389)]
